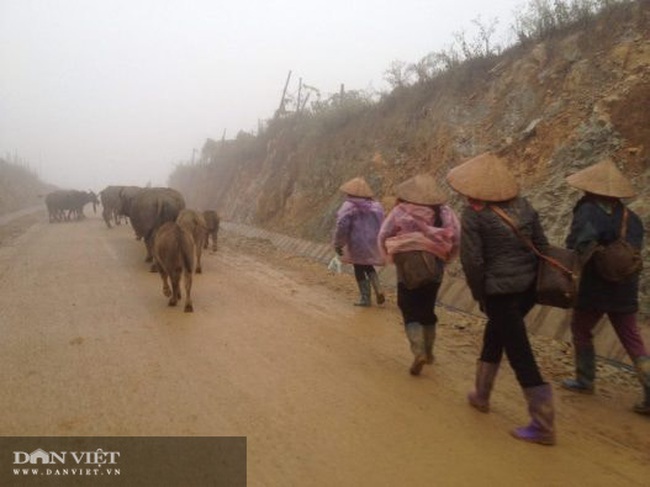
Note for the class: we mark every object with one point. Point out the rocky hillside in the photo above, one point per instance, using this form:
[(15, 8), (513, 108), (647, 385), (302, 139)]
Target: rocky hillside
[(549, 107)]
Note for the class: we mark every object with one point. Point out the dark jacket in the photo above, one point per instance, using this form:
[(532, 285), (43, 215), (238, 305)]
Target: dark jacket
[(598, 220), (494, 259)]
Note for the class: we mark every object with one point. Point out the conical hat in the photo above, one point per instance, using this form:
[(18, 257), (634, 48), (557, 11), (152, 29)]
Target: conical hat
[(484, 177), (357, 187), (422, 189), (603, 178)]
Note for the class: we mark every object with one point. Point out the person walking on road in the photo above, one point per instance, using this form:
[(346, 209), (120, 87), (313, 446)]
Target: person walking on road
[(501, 273), (420, 235), (355, 238), (600, 220)]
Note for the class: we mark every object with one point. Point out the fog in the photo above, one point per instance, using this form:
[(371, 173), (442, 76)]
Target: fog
[(96, 92)]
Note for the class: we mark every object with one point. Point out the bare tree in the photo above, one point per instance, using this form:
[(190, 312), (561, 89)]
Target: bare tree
[(485, 34), (397, 74)]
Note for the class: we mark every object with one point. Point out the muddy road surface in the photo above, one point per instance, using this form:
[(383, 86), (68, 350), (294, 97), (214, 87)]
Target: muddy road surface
[(276, 352)]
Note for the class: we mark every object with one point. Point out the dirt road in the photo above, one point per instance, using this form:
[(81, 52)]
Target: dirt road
[(275, 352)]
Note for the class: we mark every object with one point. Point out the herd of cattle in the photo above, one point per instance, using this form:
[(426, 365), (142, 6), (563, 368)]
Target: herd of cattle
[(174, 236), (66, 205)]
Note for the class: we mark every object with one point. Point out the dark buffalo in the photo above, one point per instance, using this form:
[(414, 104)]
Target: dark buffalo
[(76, 200), (212, 220), (66, 204), (148, 209), (110, 198), (127, 195), (193, 222), (81, 198), (173, 251), (56, 202)]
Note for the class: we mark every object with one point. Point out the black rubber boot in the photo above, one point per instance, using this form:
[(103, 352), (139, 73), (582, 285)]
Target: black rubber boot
[(642, 365), (585, 371), (364, 293), (376, 285)]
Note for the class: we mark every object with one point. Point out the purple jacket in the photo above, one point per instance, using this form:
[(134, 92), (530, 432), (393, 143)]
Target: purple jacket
[(357, 225)]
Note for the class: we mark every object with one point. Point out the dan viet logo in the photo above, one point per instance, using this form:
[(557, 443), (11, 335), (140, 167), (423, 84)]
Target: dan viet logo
[(41, 462)]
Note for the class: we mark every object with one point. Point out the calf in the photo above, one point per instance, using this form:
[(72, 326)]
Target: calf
[(193, 222), (212, 221), (173, 251)]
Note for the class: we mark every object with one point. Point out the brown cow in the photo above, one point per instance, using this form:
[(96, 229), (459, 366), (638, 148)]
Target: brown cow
[(193, 222), (173, 251), (212, 221)]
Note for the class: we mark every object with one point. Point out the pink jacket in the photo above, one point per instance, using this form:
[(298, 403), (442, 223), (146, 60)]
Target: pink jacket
[(411, 227)]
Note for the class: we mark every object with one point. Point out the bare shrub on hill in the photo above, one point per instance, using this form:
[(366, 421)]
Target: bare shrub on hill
[(20, 187), (540, 19)]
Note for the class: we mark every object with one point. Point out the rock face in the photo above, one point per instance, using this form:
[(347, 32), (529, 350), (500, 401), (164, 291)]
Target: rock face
[(549, 109)]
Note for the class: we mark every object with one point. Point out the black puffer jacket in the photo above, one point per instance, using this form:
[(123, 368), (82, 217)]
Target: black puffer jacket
[(494, 259)]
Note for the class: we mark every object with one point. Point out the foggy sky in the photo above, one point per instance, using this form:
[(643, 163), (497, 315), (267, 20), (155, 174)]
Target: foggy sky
[(98, 92)]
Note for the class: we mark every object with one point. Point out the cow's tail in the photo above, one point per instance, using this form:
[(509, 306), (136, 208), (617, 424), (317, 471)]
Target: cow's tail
[(166, 211), (186, 249), (160, 209)]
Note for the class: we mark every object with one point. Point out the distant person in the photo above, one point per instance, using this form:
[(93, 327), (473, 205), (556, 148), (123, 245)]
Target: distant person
[(423, 232), (599, 219), (355, 238), (501, 273)]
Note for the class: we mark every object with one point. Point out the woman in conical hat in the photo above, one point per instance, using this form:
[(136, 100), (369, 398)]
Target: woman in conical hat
[(597, 221), (501, 273), (355, 237), (420, 222), (603, 179)]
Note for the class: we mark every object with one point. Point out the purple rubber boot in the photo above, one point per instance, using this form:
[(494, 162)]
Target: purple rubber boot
[(540, 406)]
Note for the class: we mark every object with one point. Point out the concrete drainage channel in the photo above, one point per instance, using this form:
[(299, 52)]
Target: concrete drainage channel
[(542, 320)]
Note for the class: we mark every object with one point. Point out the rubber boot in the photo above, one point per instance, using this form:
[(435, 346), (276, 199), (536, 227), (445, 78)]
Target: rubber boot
[(364, 293), (585, 371), (429, 341), (643, 407), (415, 335), (376, 285), (642, 365), (540, 407), (486, 372)]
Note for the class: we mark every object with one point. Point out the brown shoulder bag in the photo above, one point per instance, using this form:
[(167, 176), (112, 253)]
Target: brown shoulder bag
[(618, 260), (558, 272)]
